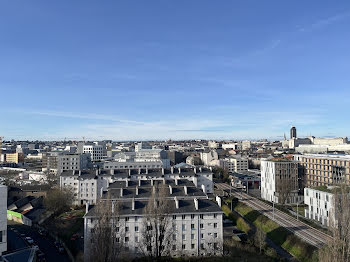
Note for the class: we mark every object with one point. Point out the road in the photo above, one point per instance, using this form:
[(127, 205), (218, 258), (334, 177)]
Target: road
[(46, 244), (300, 229)]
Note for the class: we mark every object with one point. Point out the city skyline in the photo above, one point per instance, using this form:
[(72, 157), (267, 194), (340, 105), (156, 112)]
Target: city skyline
[(156, 70)]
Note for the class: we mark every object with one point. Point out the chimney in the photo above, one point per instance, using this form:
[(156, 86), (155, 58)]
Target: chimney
[(133, 204), (218, 200), (139, 171), (137, 190), (176, 181), (172, 170), (97, 172), (195, 181), (196, 203), (140, 182), (200, 169), (185, 189), (147, 170), (126, 182), (162, 171), (86, 208), (195, 170), (179, 170), (121, 192), (170, 189), (79, 172), (203, 188), (176, 202), (152, 182), (129, 172), (211, 169)]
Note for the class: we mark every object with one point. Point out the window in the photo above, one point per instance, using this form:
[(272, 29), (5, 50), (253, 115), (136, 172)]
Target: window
[(126, 219), (183, 237), (192, 246), (174, 247), (201, 216), (202, 236), (183, 216), (126, 229), (192, 226), (136, 239), (215, 235), (202, 246), (117, 229), (183, 246), (184, 227), (174, 216), (215, 246), (117, 239), (201, 226), (192, 216), (215, 215), (136, 219), (126, 239), (174, 237), (192, 236), (215, 225), (136, 229)]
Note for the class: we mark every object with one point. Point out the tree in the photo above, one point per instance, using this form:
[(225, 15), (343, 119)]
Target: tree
[(107, 235), (259, 238), (157, 230), (58, 200), (285, 185), (338, 248)]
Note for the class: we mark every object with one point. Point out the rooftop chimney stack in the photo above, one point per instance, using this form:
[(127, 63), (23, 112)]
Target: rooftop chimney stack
[(86, 207), (196, 203), (218, 200), (176, 202), (176, 181), (163, 171), (200, 169), (137, 190), (170, 189), (195, 170), (179, 170), (140, 182), (185, 189), (203, 188), (133, 204), (172, 170)]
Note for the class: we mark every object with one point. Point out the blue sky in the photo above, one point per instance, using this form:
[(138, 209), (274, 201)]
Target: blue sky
[(138, 70)]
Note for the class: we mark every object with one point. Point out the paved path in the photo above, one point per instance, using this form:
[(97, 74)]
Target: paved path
[(300, 229)]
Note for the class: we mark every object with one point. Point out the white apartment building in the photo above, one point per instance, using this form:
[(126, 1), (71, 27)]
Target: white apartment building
[(235, 165), (141, 146), (279, 179), (209, 158), (89, 184), (246, 145), (73, 162), (320, 205), (3, 219), (95, 151), (197, 222)]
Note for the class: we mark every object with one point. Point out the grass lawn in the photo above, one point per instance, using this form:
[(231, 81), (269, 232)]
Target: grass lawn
[(279, 235)]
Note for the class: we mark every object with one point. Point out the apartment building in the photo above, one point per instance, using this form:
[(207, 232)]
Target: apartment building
[(235, 165), (50, 162), (3, 219), (197, 222), (95, 151), (324, 169), (73, 162), (320, 202), (89, 184), (209, 158), (279, 181)]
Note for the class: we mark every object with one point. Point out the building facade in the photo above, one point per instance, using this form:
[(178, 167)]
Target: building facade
[(324, 169), (3, 219), (73, 162), (279, 181)]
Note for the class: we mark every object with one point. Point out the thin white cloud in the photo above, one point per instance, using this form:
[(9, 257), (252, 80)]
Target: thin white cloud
[(325, 22)]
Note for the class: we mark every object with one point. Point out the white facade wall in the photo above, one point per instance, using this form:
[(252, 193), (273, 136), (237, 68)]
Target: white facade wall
[(195, 235), (3, 219), (320, 206), (95, 151)]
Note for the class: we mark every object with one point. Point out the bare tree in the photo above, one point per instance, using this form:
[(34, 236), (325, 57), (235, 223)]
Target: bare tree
[(58, 200), (107, 235), (285, 185), (260, 238), (338, 249), (157, 230)]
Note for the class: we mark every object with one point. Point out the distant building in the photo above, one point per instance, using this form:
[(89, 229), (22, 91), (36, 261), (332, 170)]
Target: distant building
[(209, 158), (235, 164), (293, 132), (142, 145), (279, 181), (50, 161), (96, 151), (73, 162), (3, 219), (324, 169), (246, 145), (14, 158)]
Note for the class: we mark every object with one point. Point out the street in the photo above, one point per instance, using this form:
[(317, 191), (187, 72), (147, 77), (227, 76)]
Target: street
[(300, 229), (45, 243)]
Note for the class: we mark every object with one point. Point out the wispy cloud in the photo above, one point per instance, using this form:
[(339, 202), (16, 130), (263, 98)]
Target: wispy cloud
[(325, 22)]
